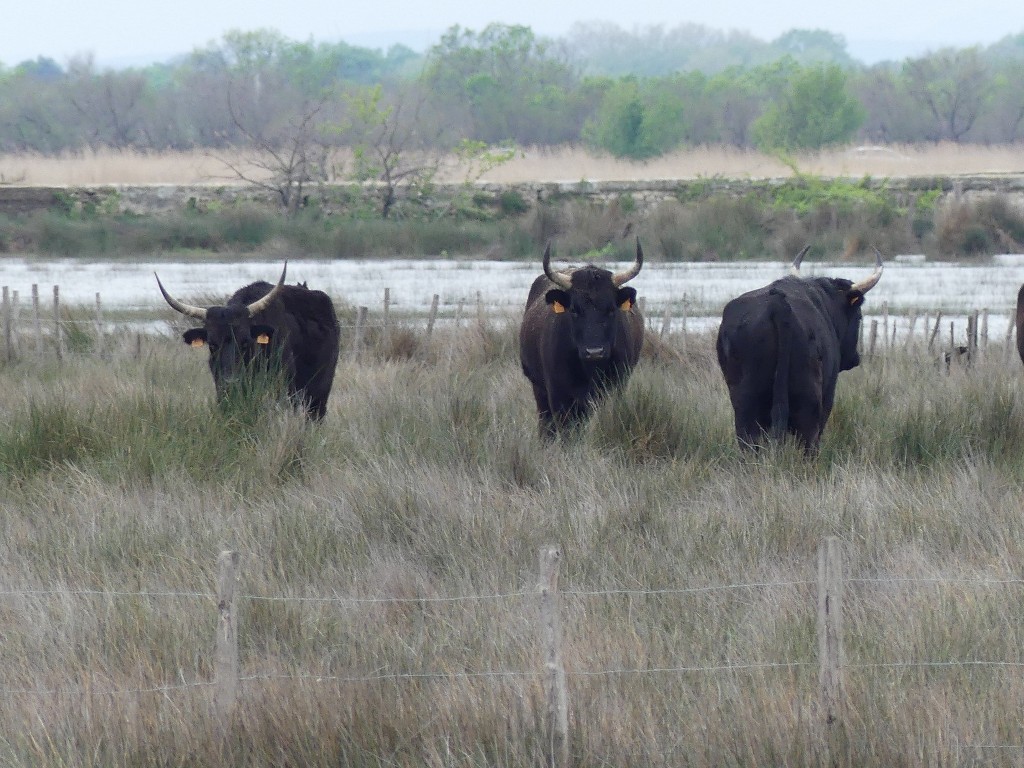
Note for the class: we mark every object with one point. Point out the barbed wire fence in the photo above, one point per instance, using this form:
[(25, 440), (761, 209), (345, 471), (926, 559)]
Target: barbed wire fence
[(960, 340), (833, 714)]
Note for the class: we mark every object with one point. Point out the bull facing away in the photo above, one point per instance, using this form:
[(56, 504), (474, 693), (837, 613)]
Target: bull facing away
[(284, 329), (781, 349), (581, 335)]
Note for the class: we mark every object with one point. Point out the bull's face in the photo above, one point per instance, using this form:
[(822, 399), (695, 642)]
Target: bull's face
[(591, 311), (238, 348), (590, 297)]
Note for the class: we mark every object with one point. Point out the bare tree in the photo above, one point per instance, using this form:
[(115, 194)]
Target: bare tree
[(109, 103), (952, 85), (389, 147), (287, 159)]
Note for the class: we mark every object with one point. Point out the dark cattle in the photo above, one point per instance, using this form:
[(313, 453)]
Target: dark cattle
[(781, 349), (581, 334), (264, 325)]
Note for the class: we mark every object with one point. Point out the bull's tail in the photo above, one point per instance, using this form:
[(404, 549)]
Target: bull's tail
[(782, 322)]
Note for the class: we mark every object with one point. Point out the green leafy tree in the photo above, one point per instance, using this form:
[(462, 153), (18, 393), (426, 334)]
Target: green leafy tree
[(814, 109), (503, 84), (638, 120), (809, 46)]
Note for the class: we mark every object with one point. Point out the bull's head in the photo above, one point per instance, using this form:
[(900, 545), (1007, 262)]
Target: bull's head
[(234, 340), (851, 299), (591, 296)]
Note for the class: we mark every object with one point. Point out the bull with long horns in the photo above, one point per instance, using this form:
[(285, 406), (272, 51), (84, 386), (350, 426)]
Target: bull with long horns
[(581, 336), (284, 329), (781, 349)]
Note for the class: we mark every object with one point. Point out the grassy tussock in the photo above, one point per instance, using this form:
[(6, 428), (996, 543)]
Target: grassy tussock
[(427, 481)]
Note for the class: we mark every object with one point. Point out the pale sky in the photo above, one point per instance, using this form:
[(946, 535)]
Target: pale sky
[(133, 32)]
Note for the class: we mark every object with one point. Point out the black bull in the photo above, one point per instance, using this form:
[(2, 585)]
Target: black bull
[(263, 325), (781, 349), (581, 334)]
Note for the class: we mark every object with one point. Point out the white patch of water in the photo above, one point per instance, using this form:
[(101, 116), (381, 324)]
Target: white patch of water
[(696, 291)]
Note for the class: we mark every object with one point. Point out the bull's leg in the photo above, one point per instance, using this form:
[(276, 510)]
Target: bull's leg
[(569, 409), (752, 417), (317, 408), (545, 420), (807, 409)]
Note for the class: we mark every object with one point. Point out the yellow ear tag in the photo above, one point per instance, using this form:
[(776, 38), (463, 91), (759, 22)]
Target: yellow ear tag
[(626, 305), (557, 308), (263, 339), (855, 300), (197, 343)]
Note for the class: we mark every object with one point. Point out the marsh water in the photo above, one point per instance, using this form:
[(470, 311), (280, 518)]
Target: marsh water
[(688, 292)]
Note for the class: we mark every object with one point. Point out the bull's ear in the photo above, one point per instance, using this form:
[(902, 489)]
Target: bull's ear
[(195, 337), (558, 299), (854, 298), (261, 334), (626, 298)]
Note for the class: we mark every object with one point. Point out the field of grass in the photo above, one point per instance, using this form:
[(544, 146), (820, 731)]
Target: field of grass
[(537, 164), (388, 565)]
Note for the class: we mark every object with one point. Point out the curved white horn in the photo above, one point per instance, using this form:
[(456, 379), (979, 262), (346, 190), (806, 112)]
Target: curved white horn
[(621, 278), (794, 268), (869, 282), (260, 304), (185, 309), (561, 279)]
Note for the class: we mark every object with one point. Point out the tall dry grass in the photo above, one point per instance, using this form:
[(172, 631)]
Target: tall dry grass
[(571, 164), (121, 482)]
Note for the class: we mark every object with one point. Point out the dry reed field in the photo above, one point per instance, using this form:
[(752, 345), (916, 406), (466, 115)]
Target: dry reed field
[(537, 164), (388, 609)]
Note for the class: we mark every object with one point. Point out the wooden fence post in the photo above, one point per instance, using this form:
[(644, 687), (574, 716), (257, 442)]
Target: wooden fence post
[(873, 339), (37, 322), (481, 319), (8, 320), (99, 326), (555, 694), (830, 642), (972, 337), (226, 664), (57, 336), (15, 323), (910, 331), (935, 330), (387, 318), (357, 337), (432, 317), (683, 313)]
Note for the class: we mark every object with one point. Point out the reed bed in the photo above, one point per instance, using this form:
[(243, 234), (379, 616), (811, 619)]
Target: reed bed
[(538, 164), (389, 564)]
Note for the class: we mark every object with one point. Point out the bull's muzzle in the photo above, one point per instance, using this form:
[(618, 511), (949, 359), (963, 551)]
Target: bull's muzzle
[(595, 354)]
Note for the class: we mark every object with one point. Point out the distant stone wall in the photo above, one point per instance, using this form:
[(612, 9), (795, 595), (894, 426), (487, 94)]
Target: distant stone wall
[(143, 199)]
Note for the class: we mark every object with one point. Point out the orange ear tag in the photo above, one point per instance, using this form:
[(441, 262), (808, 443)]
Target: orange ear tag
[(197, 343), (855, 300), (557, 308), (263, 339), (626, 305)]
